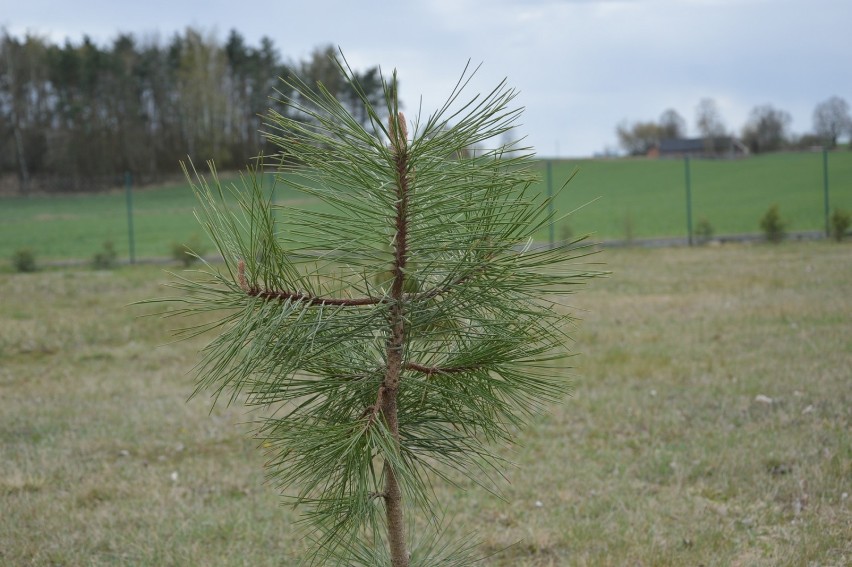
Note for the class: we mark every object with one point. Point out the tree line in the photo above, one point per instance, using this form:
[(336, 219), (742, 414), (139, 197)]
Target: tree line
[(766, 130), (77, 116)]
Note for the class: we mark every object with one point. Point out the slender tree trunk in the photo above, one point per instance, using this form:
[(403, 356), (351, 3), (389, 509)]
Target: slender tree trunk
[(393, 495), (390, 385), (16, 126), (22, 158)]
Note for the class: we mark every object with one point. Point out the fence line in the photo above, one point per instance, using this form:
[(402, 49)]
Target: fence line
[(727, 191), (665, 193)]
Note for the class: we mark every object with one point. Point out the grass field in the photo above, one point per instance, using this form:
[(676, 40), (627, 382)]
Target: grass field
[(619, 199), (709, 426), (649, 196)]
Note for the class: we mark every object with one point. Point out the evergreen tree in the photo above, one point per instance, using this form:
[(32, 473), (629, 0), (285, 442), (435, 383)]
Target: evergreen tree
[(394, 332)]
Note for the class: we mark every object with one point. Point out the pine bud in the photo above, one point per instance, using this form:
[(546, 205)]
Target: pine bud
[(241, 276)]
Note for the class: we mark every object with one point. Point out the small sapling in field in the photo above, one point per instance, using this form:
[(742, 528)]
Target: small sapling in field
[(24, 260), (773, 226), (395, 331)]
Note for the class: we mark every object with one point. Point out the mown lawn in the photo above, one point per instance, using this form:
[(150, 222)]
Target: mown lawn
[(709, 426), (643, 198), (617, 199)]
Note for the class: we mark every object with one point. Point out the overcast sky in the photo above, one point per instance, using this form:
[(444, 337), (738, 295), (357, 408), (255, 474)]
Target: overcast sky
[(581, 66)]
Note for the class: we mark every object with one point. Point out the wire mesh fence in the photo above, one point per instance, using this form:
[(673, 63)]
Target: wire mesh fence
[(696, 200), (627, 201)]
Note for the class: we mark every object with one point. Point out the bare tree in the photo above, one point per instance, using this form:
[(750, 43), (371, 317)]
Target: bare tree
[(766, 129), (831, 120), (708, 120), (672, 124), (709, 123), (638, 138), (202, 93)]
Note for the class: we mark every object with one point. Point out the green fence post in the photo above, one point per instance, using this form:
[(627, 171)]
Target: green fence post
[(688, 199), (550, 199), (128, 191), (825, 190)]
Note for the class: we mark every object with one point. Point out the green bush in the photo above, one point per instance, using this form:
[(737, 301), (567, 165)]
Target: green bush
[(840, 222), (703, 231), (105, 258), (773, 226), (187, 253), (24, 260)]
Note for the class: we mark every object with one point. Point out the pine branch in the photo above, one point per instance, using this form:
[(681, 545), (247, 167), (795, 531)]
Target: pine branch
[(283, 295), (446, 370)]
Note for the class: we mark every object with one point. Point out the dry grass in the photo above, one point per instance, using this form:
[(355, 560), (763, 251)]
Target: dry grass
[(710, 426)]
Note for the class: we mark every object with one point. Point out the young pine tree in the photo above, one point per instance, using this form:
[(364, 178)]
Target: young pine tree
[(396, 329)]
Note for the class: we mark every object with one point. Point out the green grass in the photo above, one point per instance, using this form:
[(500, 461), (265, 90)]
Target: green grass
[(650, 195), (76, 226), (624, 198), (665, 455)]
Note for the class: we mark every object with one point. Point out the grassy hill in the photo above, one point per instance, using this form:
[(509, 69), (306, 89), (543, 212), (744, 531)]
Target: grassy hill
[(617, 198)]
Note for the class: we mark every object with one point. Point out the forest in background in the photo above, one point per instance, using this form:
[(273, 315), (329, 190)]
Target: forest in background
[(78, 116)]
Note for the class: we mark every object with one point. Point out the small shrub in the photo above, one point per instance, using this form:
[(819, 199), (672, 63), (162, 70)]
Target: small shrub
[(24, 260), (106, 257), (187, 253), (773, 226), (703, 231), (840, 222)]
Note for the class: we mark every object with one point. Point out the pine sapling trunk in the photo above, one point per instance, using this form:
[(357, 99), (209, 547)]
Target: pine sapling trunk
[(396, 341)]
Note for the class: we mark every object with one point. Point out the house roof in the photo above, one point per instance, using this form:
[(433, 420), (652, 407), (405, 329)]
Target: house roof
[(679, 145), (718, 144)]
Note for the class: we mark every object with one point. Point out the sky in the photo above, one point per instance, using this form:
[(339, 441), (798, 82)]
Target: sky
[(581, 66)]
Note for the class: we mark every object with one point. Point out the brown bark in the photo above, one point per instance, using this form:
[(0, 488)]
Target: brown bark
[(392, 493), (396, 342)]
